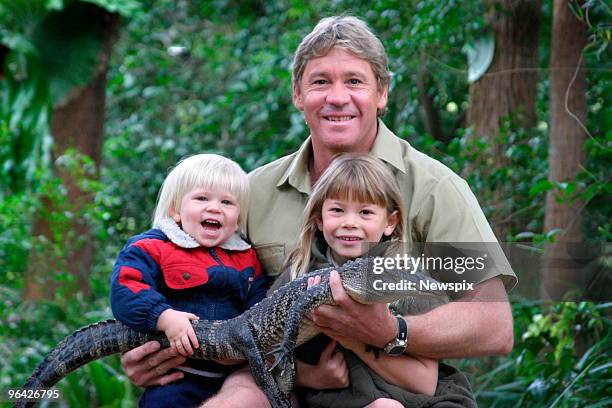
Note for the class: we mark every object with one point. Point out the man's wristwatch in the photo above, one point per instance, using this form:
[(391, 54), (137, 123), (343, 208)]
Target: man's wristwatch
[(396, 347)]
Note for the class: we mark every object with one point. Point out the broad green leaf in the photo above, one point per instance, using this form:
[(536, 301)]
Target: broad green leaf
[(542, 185)]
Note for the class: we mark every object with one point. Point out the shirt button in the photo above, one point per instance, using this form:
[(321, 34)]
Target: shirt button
[(186, 276)]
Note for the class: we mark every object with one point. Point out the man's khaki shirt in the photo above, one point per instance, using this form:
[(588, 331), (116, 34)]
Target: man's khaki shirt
[(440, 207)]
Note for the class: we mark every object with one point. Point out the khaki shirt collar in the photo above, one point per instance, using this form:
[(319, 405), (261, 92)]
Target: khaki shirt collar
[(298, 175), (386, 147)]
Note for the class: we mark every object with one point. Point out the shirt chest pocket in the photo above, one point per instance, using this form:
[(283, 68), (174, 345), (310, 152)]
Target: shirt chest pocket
[(185, 276), (271, 257)]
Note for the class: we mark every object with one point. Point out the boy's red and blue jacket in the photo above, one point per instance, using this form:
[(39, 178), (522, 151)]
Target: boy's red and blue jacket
[(152, 274)]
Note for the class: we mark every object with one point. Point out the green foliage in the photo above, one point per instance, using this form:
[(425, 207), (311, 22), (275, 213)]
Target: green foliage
[(189, 77), (59, 45), (108, 388), (24, 131), (26, 337), (25, 333), (52, 48), (511, 194), (596, 14), (15, 213), (561, 359)]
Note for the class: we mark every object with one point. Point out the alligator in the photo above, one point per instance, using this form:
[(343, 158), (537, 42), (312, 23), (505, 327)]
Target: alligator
[(265, 335)]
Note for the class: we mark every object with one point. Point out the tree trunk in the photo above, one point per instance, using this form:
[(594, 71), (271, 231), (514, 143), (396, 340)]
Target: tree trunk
[(566, 149), (77, 123), (508, 89), (431, 118)]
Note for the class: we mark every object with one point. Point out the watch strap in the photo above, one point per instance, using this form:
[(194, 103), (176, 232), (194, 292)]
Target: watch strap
[(397, 346), (402, 329)]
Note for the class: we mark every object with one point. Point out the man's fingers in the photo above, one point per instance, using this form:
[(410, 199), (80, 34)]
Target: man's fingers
[(323, 314), (139, 352), (161, 357), (146, 366), (335, 284), (167, 379), (160, 376), (167, 365), (156, 375), (191, 316), (331, 333)]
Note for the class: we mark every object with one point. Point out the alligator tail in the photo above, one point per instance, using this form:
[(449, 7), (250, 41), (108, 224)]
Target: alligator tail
[(84, 346)]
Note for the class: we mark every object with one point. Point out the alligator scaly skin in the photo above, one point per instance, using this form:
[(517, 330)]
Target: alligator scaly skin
[(265, 335)]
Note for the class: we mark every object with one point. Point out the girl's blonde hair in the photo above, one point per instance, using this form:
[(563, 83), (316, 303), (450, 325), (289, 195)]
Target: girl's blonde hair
[(360, 178), (206, 171)]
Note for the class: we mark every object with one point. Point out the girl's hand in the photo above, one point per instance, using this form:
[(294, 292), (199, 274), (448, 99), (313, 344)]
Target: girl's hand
[(178, 329), (330, 372), (314, 280)]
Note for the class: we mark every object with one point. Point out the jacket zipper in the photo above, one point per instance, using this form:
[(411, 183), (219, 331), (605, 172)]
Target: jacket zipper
[(216, 258), (213, 253)]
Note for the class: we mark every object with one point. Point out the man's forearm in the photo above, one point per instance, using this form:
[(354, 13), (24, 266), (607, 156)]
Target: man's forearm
[(477, 325), (471, 327)]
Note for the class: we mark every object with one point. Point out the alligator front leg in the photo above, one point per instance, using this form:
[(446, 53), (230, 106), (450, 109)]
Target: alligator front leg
[(283, 367), (250, 349)]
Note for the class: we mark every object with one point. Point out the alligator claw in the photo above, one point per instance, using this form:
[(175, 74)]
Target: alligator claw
[(280, 355)]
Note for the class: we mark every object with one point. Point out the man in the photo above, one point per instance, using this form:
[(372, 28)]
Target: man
[(341, 83)]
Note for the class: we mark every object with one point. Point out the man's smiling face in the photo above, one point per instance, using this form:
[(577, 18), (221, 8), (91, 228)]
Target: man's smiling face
[(339, 96)]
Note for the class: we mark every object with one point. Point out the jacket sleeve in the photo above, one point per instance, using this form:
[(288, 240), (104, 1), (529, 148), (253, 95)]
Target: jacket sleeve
[(257, 289), (137, 276)]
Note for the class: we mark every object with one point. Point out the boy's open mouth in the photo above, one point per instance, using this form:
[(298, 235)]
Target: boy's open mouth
[(211, 224)]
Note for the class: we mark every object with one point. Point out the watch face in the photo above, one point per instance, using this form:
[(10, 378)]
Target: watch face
[(396, 350)]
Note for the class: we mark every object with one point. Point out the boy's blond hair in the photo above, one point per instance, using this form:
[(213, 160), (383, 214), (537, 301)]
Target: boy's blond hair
[(206, 171)]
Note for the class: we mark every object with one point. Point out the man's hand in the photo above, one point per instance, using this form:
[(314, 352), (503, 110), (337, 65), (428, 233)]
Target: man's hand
[(331, 371), (147, 365), (348, 320)]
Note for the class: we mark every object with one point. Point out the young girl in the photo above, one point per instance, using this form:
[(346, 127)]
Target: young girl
[(193, 264), (354, 206)]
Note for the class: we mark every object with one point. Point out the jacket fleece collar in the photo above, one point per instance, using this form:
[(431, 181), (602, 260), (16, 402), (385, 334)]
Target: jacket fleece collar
[(179, 237)]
